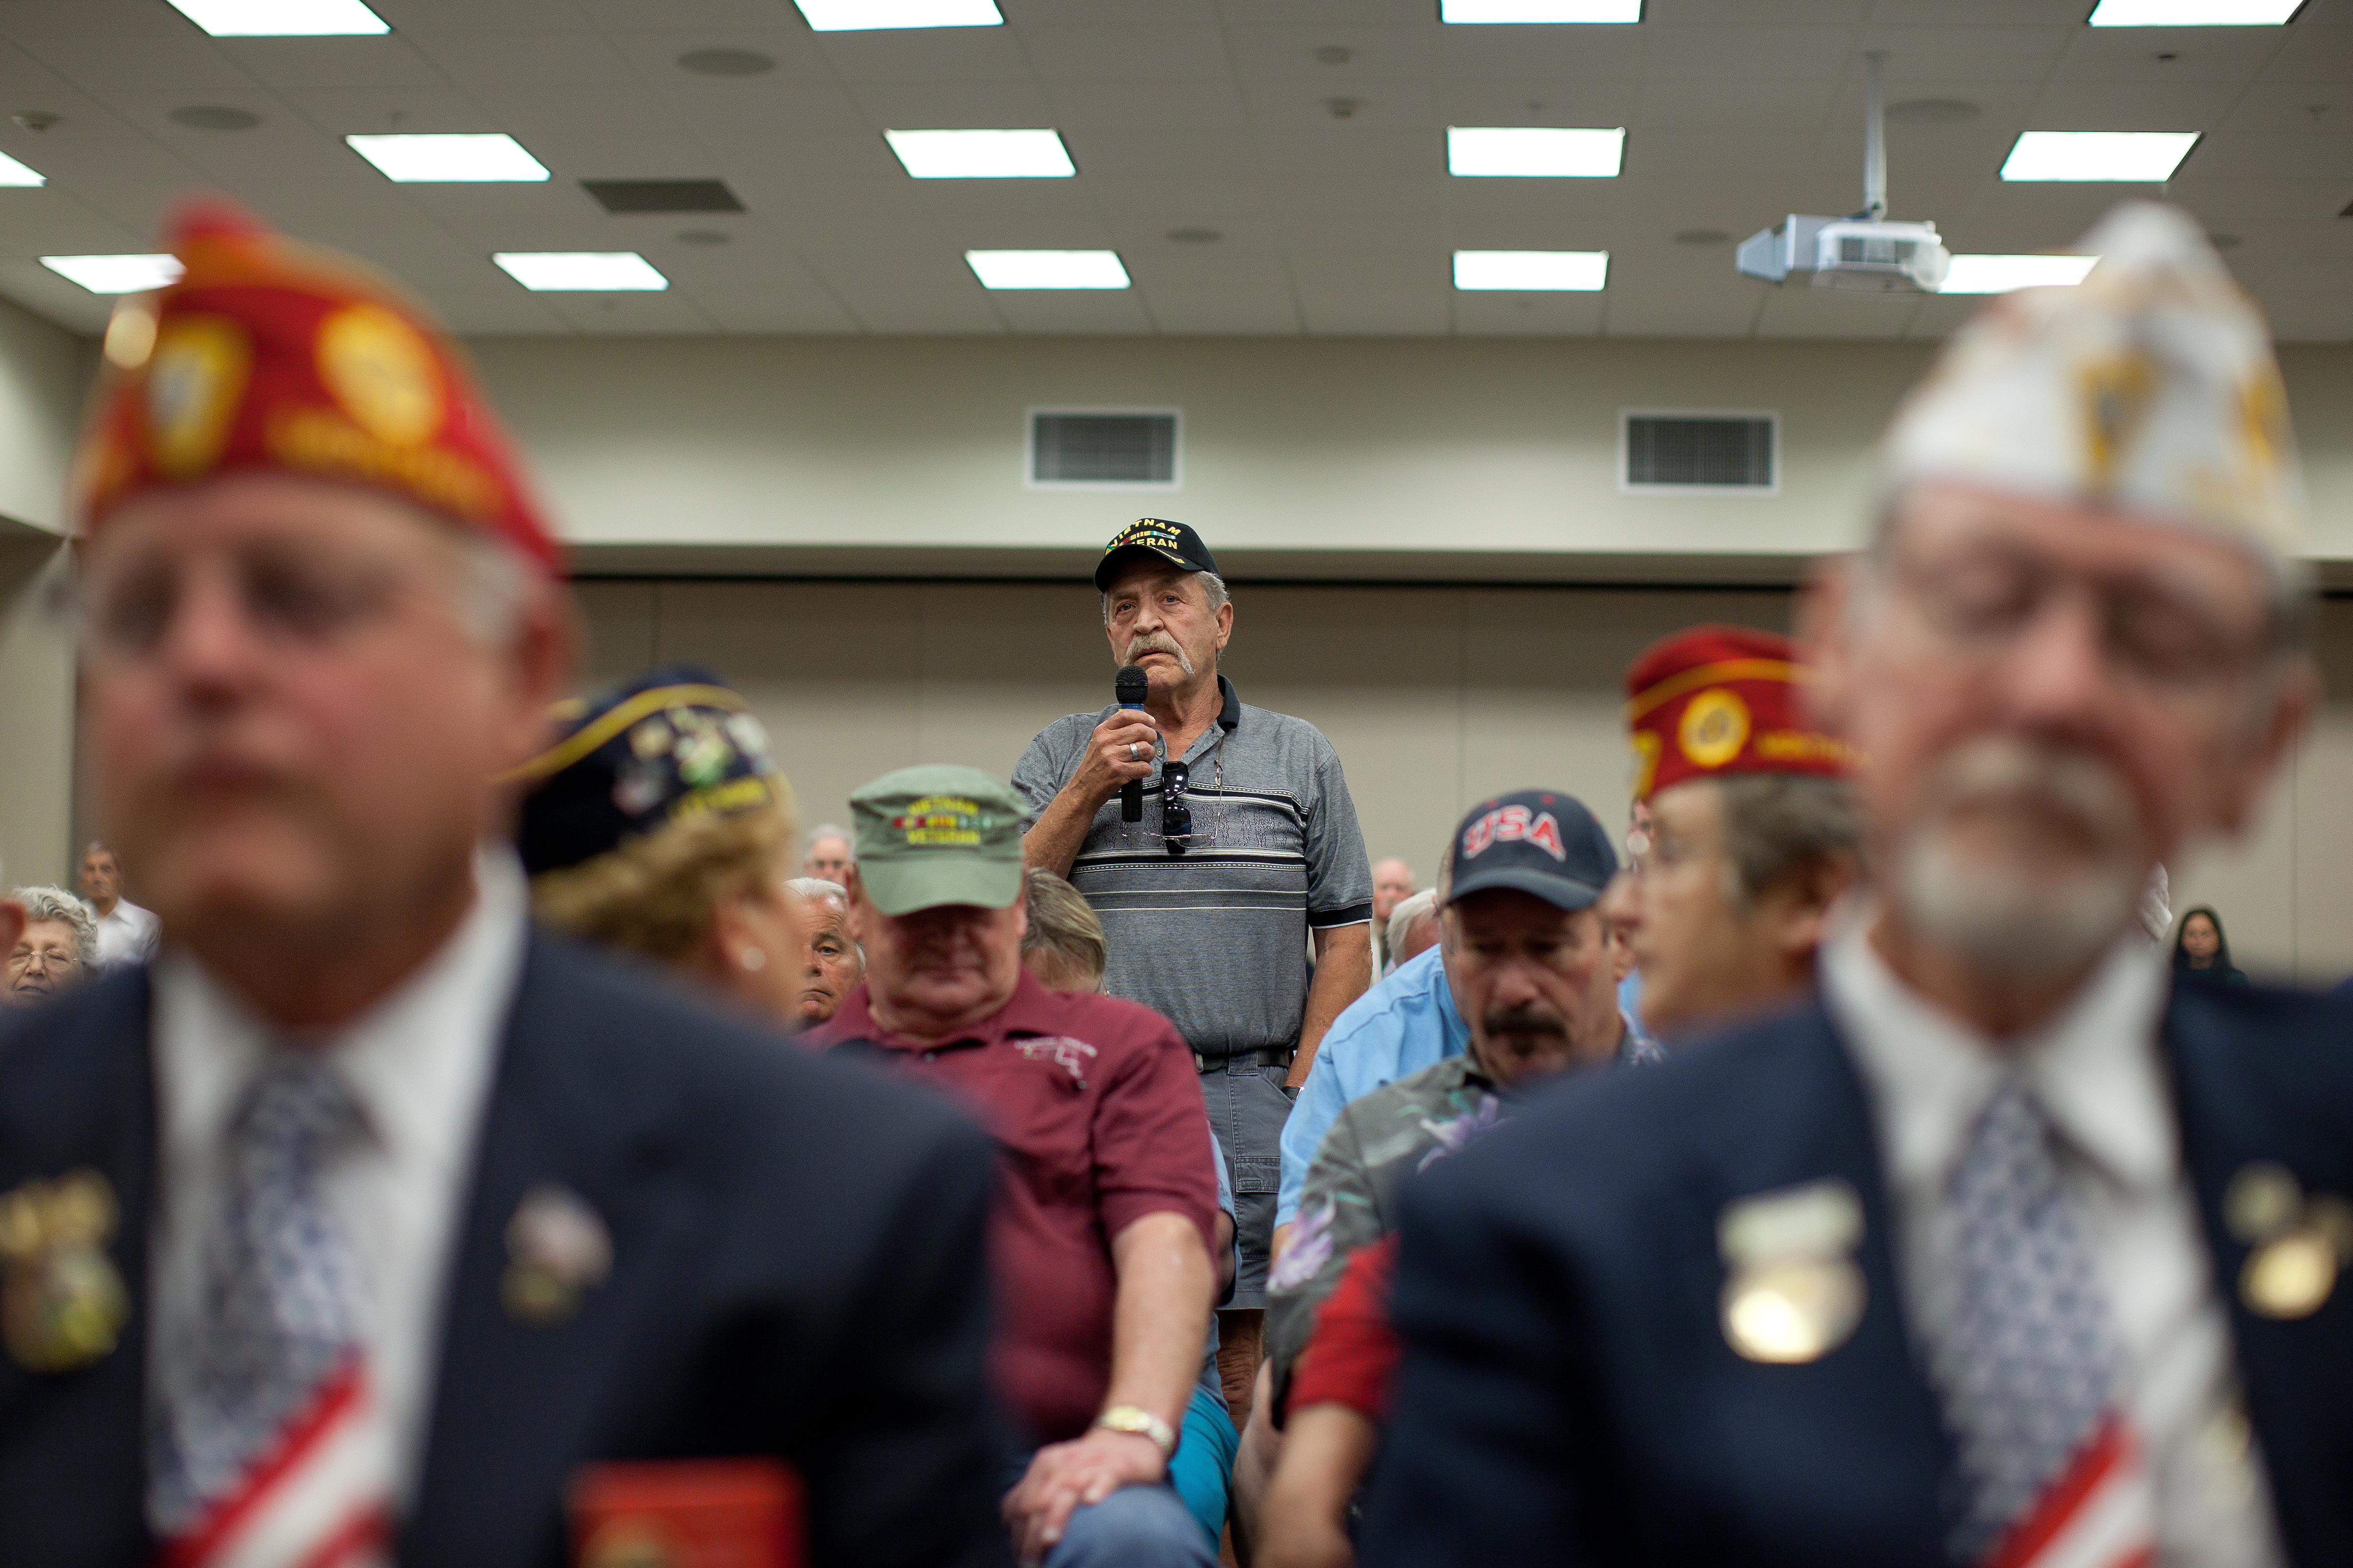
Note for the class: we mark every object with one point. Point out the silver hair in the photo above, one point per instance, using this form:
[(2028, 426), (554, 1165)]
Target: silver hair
[(815, 888), (95, 846), (1213, 589), (1419, 907), (56, 904), (826, 830), (819, 887), (1775, 823)]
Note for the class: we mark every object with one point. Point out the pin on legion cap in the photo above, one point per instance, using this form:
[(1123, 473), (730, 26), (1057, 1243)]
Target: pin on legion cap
[(938, 835), (1171, 542), (1543, 842), (666, 746)]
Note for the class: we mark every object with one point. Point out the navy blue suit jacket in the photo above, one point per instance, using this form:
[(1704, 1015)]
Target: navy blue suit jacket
[(798, 1271), (1568, 1396)]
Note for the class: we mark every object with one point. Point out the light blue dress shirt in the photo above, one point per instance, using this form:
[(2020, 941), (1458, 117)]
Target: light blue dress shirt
[(1397, 1029)]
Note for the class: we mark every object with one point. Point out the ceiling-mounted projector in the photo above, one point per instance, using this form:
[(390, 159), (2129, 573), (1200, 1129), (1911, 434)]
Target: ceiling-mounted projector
[(1864, 254)]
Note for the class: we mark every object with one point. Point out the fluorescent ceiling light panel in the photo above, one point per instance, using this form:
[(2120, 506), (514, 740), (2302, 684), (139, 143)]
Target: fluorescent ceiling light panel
[(2001, 274), (1553, 272), (982, 155), (115, 274), (1047, 268), (2193, 13), (580, 271), (2149, 156), (448, 159), (1477, 13), (282, 18), (861, 16), (1532, 151), (12, 173)]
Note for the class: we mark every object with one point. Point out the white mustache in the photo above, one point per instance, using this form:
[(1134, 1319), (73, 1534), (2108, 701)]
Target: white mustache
[(1158, 642)]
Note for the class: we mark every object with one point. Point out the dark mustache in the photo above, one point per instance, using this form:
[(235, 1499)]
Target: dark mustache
[(1526, 1021)]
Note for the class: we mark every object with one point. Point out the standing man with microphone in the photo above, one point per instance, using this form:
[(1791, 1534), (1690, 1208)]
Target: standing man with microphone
[(1241, 840)]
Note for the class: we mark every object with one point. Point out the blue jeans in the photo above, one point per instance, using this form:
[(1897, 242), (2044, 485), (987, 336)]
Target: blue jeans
[(1136, 1527), (1204, 1465)]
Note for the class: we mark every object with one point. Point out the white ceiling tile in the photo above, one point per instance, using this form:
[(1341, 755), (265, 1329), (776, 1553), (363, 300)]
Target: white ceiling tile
[(880, 308), (1800, 311), (670, 313), (1485, 315), (1181, 114), (1103, 311), (1229, 313), (1377, 312), (283, 63), (777, 311)]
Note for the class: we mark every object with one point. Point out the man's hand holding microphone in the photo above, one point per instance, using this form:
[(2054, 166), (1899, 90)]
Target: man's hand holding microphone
[(1120, 754)]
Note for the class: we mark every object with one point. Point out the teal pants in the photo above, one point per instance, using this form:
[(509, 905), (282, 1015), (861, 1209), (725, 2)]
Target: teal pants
[(1205, 1460)]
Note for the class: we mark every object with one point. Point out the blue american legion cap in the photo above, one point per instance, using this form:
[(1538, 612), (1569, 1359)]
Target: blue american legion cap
[(1537, 841), (665, 746)]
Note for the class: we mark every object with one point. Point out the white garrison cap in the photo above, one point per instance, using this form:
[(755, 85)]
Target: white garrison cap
[(2149, 388)]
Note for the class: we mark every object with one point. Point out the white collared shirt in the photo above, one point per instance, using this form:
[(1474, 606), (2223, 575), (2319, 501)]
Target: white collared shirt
[(126, 933), (419, 1066), (2096, 1071)]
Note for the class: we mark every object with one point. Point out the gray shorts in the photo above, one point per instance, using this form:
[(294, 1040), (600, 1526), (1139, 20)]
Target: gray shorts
[(1247, 1107)]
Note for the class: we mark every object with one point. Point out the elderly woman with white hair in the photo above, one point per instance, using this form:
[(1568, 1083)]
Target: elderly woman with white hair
[(55, 950)]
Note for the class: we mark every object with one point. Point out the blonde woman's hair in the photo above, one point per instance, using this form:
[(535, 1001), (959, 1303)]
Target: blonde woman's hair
[(658, 894), (1062, 922)]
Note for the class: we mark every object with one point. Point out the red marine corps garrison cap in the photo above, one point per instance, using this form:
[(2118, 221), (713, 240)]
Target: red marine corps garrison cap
[(270, 355), (1716, 700)]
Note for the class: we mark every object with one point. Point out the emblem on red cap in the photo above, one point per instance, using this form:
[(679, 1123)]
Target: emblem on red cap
[(267, 355), (1724, 699)]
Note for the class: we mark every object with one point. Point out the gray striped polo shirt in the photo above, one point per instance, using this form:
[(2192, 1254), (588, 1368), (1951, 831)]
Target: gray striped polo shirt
[(1216, 939)]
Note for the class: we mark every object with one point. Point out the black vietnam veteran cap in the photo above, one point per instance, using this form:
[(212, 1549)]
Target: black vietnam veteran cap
[(671, 744), (1534, 841), (1171, 542)]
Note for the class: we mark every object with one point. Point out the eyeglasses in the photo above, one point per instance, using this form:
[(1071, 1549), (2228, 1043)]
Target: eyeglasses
[(2157, 638)]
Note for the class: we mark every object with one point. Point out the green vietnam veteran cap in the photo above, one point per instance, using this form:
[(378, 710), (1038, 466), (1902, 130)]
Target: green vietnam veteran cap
[(938, 835)]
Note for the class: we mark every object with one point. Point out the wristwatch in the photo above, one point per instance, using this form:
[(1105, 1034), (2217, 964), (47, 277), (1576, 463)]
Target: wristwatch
[(1135, 1418)]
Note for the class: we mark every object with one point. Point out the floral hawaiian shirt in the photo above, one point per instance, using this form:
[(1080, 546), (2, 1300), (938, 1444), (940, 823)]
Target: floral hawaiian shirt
[(1351, 1193)]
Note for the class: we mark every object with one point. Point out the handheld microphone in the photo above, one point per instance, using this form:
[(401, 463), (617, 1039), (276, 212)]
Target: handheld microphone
[(1129, 687)]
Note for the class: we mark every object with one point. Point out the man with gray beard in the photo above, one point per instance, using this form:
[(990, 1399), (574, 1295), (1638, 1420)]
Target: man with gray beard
[(1999, 1253), (1245, 849)]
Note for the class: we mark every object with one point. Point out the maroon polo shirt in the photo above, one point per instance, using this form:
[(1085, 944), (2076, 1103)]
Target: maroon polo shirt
[(1098, 1109)]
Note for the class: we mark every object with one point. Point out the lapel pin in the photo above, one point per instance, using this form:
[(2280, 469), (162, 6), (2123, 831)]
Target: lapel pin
[(557, 1247), (2298, 1244), (62, 1304), (1795, 1293)]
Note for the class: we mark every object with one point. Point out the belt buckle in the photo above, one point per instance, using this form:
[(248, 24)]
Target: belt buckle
[(1201, 1062)]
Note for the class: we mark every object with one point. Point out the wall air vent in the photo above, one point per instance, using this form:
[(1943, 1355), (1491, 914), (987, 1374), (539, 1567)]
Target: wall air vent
[(1106, 448), (1699, 452)]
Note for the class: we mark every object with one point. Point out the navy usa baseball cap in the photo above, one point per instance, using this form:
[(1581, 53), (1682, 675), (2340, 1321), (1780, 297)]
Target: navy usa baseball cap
[(1538, 841)]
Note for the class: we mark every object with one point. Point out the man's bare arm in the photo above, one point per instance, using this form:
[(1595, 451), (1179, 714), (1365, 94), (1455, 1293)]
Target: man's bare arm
[(1119, 752), (1344, 972)]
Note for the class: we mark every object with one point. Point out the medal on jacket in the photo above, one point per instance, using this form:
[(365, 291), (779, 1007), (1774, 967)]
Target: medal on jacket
[(2299, 1243), (557, 1247), (1795, 1294), (62, 1304)]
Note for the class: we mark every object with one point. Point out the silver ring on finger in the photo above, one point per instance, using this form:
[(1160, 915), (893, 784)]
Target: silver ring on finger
[(1131, 752)]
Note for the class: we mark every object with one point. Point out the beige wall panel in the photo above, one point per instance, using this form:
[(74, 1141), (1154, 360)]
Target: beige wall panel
[(619, 618), (1544, 683), (1380, 672), (1001, 662), (2251, 884), (37, 699), (830, 668), (2324, 815)]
